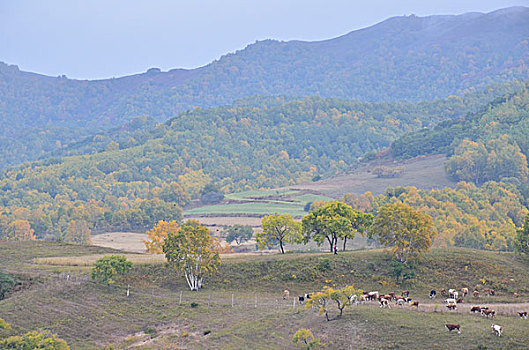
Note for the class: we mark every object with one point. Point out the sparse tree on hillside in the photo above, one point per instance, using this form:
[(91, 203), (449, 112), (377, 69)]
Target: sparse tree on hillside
[(305, 339), (406, 231), (280, 228), (158, 234), (239, 233), (78, 232), (109, 268), (328, 296), (191, 250)]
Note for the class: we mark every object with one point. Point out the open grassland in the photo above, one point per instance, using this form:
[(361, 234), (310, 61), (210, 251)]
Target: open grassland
[(259, 203), (247, 207), (89, 316), (422, 172)]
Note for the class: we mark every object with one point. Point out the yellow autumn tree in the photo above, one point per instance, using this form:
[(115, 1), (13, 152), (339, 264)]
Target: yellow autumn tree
[(20, 230), (78, 232), (158, 234)]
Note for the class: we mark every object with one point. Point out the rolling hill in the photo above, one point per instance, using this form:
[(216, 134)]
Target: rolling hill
[(403, 58)]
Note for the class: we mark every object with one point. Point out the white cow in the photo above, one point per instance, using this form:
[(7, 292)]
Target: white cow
[(496, 328)]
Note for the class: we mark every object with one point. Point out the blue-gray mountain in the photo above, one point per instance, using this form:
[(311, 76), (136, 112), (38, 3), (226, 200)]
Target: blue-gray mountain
[(403, 58)]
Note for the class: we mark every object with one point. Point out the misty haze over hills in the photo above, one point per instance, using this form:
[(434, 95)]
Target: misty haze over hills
[(403, 58)]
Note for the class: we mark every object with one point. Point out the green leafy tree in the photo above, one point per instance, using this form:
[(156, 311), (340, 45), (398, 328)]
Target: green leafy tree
[(331, 221), (109, 268), (305, 339), (522, 238), (191, 249), (43, 340), (406, 231), (328, 296), (239, 233), (360, 222), (280, 228)]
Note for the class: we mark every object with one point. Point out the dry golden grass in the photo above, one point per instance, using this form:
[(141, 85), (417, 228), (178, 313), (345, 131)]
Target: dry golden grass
[(127, 241), (89, 260)]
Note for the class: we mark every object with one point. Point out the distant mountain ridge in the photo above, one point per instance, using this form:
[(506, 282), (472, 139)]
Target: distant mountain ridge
[(402, 58)]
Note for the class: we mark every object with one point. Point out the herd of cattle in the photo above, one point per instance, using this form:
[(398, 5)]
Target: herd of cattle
[(452, 298)]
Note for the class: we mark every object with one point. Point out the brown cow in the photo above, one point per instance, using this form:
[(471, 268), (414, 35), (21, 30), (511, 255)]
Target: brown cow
[(451, 307), (414, 304), (488, 313), (405, 293), (443, 292), (451, 327), (460, 300), (464, 292), (286, 294), (475, 294), (478, 308), (491, 292)]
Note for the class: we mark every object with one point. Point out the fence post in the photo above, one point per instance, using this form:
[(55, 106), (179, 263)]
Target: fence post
[(294, 304), (128, 290), (180, 298)]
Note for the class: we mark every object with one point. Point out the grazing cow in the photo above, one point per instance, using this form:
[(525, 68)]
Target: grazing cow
[(407, 299), (452, 293), (459, 300), (353, 300), (523, 315), (304, 297), (405, 293), (475, 294), (414, 304), (488, 313), (433, 294), (464, 292), (450, 301), (496, 328), (516, 295), (373, 295), (492, 292), (286, 294), (451, 307), (384, 303), (400, 301), (443, 292), (475, 309), (386, 296), (392, 295), (451, 327)]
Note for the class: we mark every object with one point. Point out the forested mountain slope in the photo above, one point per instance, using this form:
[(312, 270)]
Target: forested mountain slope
[(492, 144), (402, 58), (263, 142)]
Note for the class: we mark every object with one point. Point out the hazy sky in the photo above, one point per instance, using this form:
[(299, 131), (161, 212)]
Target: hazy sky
[(105, 38)]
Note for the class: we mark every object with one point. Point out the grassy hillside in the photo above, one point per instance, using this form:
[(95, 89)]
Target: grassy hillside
[(88, 316), (403, 58)]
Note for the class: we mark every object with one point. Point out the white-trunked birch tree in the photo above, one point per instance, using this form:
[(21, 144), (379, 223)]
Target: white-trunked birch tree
[(191, 250)]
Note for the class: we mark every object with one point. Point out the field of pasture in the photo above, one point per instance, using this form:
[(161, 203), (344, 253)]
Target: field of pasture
[(242, 305)]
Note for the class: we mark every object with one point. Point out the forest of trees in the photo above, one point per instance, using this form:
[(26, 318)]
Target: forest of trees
[(485, 217)]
